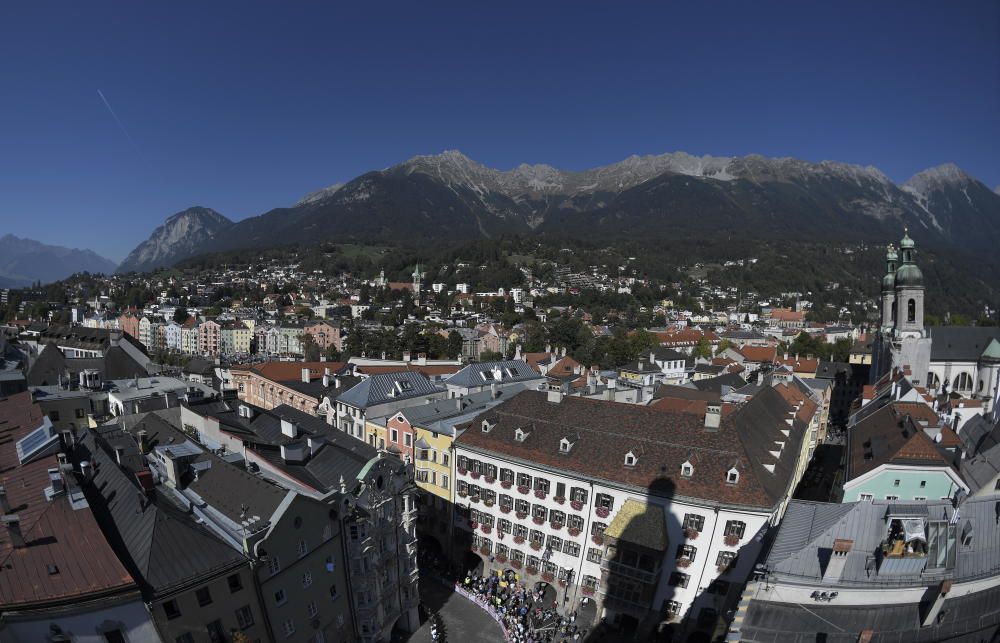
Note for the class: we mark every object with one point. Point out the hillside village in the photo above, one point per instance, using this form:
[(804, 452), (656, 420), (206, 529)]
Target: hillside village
[(275, 451)]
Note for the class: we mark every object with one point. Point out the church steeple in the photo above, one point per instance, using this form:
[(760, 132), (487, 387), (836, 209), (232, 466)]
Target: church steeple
[(909, 285)]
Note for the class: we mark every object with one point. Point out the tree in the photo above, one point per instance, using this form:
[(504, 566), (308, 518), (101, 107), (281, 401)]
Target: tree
[(180, 314), (702, 349), (723, 345), (454, 344), (310, 349), (490, 356)]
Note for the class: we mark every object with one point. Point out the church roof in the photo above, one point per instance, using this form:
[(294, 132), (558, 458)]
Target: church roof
[(963, 343)]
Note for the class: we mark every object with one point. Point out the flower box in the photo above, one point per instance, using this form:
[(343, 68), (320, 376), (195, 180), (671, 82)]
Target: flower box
[(589, 591), (732, 540), (504, 510), (500, 558), (556, 526), (484, 550), (506, 484), (559, 500), (516, 564), (538, 520), (691, 533), (573, 531), (576, 504), (598, 540), (474, 499), (531, 571), (462, 471), (488, 503), (463, 494), (539, 494), (523, 490), (474, 475), (473, 524), (489, 479), (683, 562), (548, 577), (519, 539), (536, 545), (486, 529), (521, 515), (602, 512), (723, 568)]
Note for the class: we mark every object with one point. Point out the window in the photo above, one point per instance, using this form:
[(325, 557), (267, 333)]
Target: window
[(274, 565), (186, 637), (522, 506), (597, 528), (895, 483), (408, 439), (312, 609), (216, 634), (725, 560), (502, 549), (506, 475), (694, 521), (560, 489), (866, 496), (555, 543), (506, 502), (303, 549), (333, 592), (279, 597), (539, 511), (571, 548), (891, 497), (604, 500), (574, 522), (590, 582), (171, 610), (577, 494), (541, 484), (594, 555), (289, 627), (523, 480), (735, 528), (394, 435), (537, 537), (942, 546), (520, 530), (687, 552), (732, 476), (517, 554), (671, 608), (54, 416), (630, 459), (80, 413), (235, 583), (923, 484), (678, 579), (557, 516), (505, 526), (687, 470), (911, 310), (444, 480), (244, 617), (307, 579), (204, 596)]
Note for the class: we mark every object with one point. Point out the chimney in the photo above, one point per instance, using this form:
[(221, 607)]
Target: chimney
[(4, 501), (143, 441), (85, 470), (13, 524), (838, 560), (326, 380), (564, 351), (555, 397), (68, 441), (641, 364), (517, 352), (548, 348), (336, 382), (289, 429), (119, 454), (493, 390), (305, 375), (713, 416), (56, 481), (406, 356)]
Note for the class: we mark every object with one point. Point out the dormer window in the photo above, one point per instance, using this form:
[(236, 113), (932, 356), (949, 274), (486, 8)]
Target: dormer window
[(732, 476), (520, 435), (687, 470), (565, 445), (487, 426), (630, 459)]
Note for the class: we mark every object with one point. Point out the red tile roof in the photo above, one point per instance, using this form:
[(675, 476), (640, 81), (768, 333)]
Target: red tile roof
[(759, 354), (291, 371), (54, 533)]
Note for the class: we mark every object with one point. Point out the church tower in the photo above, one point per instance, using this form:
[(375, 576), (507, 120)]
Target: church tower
[(909, 293), (889, 290), (418, 278)]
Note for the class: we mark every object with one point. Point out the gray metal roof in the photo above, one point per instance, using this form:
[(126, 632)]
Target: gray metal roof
[(486, 373), (960, 343), (388, 387)]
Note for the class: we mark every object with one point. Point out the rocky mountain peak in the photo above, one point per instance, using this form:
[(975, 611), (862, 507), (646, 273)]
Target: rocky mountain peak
[(176, 239), (937, 178)]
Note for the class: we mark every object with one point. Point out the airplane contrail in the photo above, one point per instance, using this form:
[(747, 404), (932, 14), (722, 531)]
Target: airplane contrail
[(115, 116)]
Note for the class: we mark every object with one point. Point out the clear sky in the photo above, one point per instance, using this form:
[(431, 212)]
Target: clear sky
[(246, 106)]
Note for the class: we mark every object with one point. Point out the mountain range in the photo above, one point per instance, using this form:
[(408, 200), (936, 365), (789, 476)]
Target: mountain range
[(449, 196), (24, 261)]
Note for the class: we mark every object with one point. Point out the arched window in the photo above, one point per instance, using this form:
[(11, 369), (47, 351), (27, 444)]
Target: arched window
[(894, 314), (932, 380), (911, 310), (963, 382)]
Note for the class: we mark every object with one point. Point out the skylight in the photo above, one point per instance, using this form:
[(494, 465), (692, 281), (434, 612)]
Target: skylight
[(38, 442)]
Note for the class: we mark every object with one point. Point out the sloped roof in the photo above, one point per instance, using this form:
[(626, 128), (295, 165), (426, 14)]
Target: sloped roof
[(382, 388), (892, 434), (641, 524), (164, 545), (482, 373), (960, 343), (663, 440)]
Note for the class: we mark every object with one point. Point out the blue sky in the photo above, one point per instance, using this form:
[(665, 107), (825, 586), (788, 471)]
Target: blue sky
[(247, 106)]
